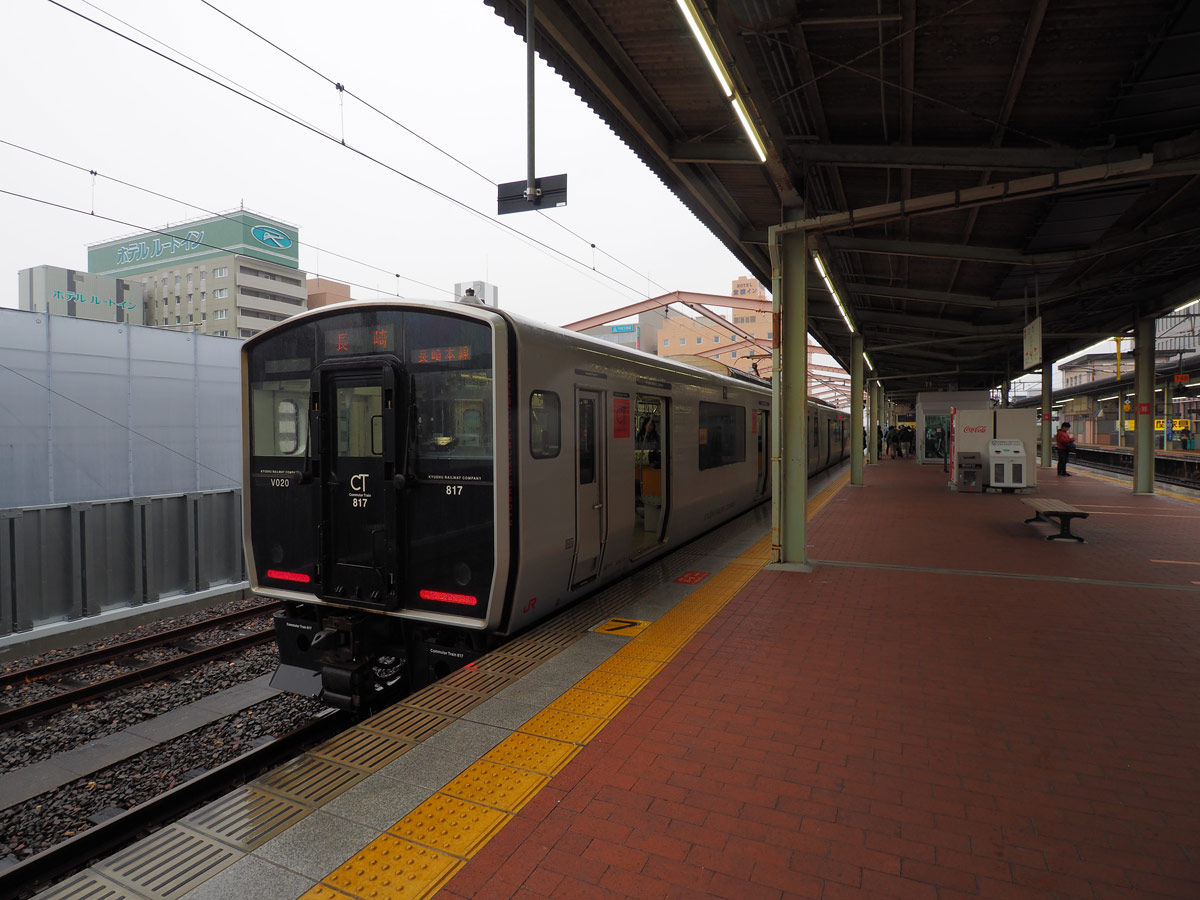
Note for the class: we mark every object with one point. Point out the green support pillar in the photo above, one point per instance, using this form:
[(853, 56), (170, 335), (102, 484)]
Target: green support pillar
[(856, 409), (1047, 414), (1143, 423), (873, 424), (789, 492)]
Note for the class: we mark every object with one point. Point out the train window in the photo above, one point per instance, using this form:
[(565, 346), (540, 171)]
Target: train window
[(454, 412), (287, 421), (545, 425), (451, 387), (587, 441), (722, 435), (278, 425), (360, 421)]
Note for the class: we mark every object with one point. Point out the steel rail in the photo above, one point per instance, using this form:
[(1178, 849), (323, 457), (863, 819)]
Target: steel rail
[(125, 648), (48, 705)]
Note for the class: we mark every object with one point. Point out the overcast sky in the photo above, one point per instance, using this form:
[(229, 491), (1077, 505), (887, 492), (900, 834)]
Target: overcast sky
[(449, 70)]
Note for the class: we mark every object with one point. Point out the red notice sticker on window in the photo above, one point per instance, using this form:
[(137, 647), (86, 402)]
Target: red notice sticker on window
[(620, 417)]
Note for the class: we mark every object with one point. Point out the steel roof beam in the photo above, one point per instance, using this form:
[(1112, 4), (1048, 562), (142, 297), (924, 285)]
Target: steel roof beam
[(1178, 226), (935, 324), (687, 298), (898, 293), (969, 158)]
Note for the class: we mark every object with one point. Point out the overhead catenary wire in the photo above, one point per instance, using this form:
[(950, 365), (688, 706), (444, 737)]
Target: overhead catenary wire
[(344, 90), (553, 251), (164, 233), (215, 214)]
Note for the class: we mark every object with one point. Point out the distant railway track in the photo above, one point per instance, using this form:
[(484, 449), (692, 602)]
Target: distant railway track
[(141, 674), (1179, 469)]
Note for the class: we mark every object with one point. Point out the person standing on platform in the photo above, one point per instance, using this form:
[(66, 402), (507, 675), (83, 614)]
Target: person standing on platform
[(1063, 441)]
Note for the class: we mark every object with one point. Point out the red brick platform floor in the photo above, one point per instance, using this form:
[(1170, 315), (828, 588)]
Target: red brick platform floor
[(990, 715)]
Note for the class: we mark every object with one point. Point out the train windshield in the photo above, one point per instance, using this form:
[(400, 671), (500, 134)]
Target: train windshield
[(454, 414)]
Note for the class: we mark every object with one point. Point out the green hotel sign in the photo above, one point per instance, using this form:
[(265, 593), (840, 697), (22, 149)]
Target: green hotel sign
[(241, 232)]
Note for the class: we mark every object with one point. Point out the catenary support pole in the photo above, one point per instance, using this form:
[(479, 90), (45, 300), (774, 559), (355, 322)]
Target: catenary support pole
[(1143, 423), (530, 174), (856, 409)]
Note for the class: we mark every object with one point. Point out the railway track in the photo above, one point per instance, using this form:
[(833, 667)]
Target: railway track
[(24, 712), (128, 648), (1179, 471)]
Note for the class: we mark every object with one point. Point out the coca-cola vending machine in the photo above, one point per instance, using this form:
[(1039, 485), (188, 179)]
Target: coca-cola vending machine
[(970, 431)]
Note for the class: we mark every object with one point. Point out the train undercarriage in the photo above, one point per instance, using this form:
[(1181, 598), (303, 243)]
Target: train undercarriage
[(361, 661)]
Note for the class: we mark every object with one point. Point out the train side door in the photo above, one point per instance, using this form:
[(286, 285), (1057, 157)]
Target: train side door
[(359, 445), (759, 425), (590, 514)]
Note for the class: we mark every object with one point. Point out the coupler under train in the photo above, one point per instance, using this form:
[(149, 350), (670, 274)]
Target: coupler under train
[(363, 661)]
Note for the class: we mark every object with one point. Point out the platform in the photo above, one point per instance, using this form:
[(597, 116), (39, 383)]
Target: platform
[(948, 706)]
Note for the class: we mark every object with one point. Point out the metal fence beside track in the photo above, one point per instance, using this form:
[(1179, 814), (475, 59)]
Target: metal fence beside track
[(72, 561)]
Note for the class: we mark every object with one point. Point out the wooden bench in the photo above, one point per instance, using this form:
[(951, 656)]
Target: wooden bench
[(1047, 509)]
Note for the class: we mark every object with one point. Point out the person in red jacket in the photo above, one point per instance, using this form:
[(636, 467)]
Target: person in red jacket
[(1063, 440)]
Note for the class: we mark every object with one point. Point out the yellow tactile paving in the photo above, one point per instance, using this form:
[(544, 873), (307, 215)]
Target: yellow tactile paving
[(590, 703), (611, 683), (501, 787), (631, 665), (561, 725), (391, 868), (529, 751), (642, 650), (450, 824), (321, 892)]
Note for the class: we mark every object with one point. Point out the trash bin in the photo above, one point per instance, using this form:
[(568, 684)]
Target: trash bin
[(968, 469), (1007, 464)]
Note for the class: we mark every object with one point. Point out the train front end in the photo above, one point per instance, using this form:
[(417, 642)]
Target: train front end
[(375, 464)]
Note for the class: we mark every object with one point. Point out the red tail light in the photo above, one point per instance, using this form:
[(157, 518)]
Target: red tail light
[(443, 597), (288, 576)]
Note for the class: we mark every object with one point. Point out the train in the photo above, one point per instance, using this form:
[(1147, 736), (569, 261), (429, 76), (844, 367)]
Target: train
[(423, 480)]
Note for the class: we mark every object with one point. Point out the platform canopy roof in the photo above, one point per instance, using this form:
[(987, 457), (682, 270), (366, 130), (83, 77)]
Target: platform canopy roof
[(963, 165)]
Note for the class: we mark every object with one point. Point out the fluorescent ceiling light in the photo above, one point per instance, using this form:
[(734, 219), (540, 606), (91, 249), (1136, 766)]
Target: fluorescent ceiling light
[(836, 299), (744, 116), (710, 52), (867, 360), (692, 15), (1185, 306), (820, 266)]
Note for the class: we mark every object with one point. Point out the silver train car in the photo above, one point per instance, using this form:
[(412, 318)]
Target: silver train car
[(424, 480)]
